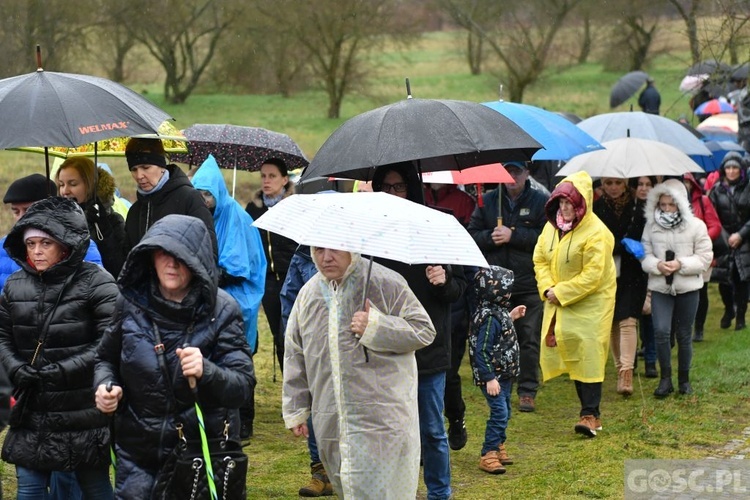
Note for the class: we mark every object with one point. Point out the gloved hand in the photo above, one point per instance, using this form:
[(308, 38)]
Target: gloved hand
[(52, 375), (27, 377), (93, 213), (634, 247)]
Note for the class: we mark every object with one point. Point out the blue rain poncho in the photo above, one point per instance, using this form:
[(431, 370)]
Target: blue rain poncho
[(240, 247)]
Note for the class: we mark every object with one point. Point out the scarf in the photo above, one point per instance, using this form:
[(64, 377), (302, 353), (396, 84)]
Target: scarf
[(270, 201), (667, 220), (561, 224), (159, 185), (618, 204)]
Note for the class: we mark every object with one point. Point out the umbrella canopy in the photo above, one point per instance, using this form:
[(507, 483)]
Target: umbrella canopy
[(708, 67), (571, 117), (719, 149), (64, 109), (727, 121), (494, 173), (714, 107), (713, 133), (626, 87), (243, 148), (741, 71), (173, 140), (375, 224), (691, 84), (632, 157), (610, 126), (437, 134), (560, 139)]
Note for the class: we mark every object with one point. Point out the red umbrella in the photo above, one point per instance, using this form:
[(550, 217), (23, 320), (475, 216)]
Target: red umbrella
[(493, 173), (714, 107)]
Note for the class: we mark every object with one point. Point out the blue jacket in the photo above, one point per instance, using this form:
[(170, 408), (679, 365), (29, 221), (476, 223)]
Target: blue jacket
[(301, 269), (241, 254), (8, 266)]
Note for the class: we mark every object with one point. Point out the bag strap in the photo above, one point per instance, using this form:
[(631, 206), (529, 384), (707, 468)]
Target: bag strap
[(45, 328)]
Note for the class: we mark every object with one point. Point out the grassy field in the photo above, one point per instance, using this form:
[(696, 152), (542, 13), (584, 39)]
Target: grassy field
[(551, 461)]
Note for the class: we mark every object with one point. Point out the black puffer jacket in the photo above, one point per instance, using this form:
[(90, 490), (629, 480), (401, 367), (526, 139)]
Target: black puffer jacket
[(207, 318), (106, 227), (732, 203), (278, 249), (64, 431), (177, 196)]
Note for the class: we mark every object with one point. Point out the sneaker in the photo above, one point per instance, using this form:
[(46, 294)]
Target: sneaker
[(319, 485), (526, 403), (502, 455), (457, 436), (588, 426), (491, 464)]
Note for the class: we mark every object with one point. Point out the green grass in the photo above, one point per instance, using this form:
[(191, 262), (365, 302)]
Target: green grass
[(551, 461)]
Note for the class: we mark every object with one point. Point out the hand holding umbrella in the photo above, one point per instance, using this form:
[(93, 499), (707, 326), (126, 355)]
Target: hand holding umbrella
[(669, 266)]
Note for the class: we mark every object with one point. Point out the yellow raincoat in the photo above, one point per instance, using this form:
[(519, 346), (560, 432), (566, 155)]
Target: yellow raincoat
[(580, 267), (363, 402)]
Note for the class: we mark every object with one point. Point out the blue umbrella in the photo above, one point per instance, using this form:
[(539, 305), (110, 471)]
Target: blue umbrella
[(714, 107), (717, 134), (719, 149), (560, 139)]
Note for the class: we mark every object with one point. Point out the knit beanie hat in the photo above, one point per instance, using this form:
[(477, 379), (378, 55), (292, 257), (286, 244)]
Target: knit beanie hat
[(31, 188)]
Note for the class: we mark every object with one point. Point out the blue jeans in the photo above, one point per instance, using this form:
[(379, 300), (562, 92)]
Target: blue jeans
[(497, 423), (435, 451), (312, 445), (678, 310), (32, 484), (64, 486)]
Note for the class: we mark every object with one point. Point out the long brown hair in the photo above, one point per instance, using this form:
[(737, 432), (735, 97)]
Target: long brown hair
[(85, 168)]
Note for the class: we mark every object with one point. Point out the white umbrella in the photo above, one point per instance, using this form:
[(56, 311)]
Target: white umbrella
[(632, 157), (374, 224), (610, 126)]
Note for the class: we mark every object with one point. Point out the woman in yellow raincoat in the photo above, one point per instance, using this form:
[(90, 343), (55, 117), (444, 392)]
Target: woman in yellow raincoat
[(356, 373), (576, 278)]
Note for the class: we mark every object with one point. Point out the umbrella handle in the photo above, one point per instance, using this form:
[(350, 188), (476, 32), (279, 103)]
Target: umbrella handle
[(500, 221)]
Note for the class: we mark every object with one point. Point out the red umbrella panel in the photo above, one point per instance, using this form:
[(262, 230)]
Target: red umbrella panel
[(714, 107), (493, 173)]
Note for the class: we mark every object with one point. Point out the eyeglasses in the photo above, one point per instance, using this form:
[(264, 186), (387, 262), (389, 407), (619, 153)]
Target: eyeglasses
[(399, 187)]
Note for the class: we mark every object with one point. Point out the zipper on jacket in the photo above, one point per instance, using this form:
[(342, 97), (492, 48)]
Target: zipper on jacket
[(272, 266)]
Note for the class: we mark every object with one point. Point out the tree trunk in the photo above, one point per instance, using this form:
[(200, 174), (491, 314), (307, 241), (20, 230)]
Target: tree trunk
[(474, 53), (583, 56)]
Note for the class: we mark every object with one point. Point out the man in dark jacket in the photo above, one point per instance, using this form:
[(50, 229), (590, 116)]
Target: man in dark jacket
[(510, 244), (650, 99), (436, 287)]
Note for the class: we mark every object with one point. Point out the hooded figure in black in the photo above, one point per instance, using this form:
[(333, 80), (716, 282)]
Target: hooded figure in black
[(55, 314), (150, 401)]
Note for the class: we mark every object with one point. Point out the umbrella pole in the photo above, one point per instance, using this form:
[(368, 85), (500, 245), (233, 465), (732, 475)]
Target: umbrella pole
[(499, 205), (46, 164), (234, 175)]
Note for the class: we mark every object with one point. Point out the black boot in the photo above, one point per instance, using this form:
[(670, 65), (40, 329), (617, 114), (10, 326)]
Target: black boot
[(683, 382), (651, 370), (726, 320), (698, 335), (665, 384)]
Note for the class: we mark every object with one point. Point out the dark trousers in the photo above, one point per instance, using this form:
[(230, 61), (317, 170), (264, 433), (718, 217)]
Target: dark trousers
[(674, 312), (702, 312), (455, 408), (528, 330), (272, 308), (735, 296), (590, 395)]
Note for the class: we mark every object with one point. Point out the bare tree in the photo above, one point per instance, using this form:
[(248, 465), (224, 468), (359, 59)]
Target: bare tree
[(338, 37), (735, 20), (476, 17), (181, 34), (56, 25), (688, 11), (522, 38)]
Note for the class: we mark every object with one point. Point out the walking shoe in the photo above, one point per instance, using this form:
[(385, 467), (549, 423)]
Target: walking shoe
[(319, 485), (685, 388), (698, 335), (651, 370), (627, 382), (726, 320), (457, 434), (665, 388), (587, 426), (740, 325), (619, 382), (526, 403), (597, 424), (491, 464), (502, 455)]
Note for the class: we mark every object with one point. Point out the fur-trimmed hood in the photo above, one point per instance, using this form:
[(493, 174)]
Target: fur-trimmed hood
[(674, 188), (105, 187), (258, 196)]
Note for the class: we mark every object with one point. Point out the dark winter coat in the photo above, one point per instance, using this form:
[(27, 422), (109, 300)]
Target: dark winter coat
[(64, 430), (106, 227), (278, 249), (632, 282), (208, 318), (650, 100), (177, 196), (526, 219), (733, 208)]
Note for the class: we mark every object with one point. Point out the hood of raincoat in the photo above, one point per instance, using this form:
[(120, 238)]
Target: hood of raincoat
[(674, 188), (492, 287), (576, 188), (240, 246), (352, 265), (183, 236), (61, 218)]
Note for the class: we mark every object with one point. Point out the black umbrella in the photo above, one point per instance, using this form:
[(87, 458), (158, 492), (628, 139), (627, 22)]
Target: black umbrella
[(740, 72), (243, 148), (626, 86), (436, 134), (708, 67)]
